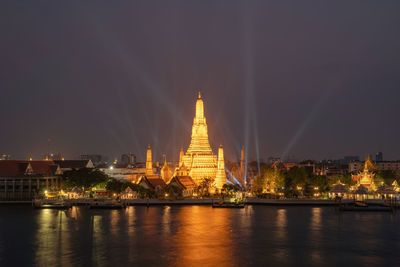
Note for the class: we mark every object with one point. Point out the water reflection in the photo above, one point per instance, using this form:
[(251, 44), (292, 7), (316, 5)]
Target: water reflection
[(98, 256), (281, 225), (114, 222), (315, 235), (166, 221), (53, 230), (130, 231), (203, 238)]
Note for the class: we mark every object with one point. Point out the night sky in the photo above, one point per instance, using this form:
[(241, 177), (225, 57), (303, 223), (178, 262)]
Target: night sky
[(305, 79)]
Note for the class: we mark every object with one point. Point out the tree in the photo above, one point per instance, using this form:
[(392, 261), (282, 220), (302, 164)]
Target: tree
[(270, 179), (387, 176), (142, 192), (296, 177), (319, 181), (348, 180), (116, 186), (204, 186), (173, 191), (379, 180), (85, 178)]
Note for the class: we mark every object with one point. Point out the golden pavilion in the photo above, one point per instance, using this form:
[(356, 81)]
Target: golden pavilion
[(366, 176), (199, 161)]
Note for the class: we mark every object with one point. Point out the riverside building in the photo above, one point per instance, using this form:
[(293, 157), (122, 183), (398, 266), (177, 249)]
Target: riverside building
[(23, 180)]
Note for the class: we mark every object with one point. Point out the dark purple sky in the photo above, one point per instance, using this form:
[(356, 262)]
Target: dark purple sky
[(310, 79)]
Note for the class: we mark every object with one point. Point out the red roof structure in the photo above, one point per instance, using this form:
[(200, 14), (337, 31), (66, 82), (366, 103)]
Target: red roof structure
[(184, 182), (152, 181), (21, 167)]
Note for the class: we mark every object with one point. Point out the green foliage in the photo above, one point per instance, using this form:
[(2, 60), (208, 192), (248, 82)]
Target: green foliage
[(116, 186), (348, 180), (85, 178), (291, 193), (142, 192), (231, 188), (345, 179), (204, 187), (270, 179), (296, 177), (378, 179), (173, 191), (387, 176)]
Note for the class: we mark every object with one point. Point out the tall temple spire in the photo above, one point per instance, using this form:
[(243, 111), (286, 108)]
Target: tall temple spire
[(220, 178), (241, 178), (181, 154), (149, 162), (199, 142), (199, 109)]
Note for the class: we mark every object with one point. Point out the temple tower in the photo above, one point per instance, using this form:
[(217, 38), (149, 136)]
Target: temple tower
[(181, 154), (220, 178), (166, 173), (199, 142), (242, 163), (199, 158), (149, 162)]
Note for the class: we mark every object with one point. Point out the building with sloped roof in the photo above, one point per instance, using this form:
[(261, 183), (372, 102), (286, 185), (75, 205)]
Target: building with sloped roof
[(68, 165), (23, 180), (185, 183), (152, 182)]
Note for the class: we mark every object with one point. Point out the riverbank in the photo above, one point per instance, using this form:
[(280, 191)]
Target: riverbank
[(205, 201)]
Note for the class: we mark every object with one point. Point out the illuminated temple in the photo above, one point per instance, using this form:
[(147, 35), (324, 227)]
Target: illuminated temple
[(366, 176), (199, 162)]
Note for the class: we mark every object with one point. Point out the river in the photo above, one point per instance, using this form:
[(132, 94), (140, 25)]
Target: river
[(198, 236)]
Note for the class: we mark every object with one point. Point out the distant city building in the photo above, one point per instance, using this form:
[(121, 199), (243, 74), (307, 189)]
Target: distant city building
[(356, 166), (379, 157), (95, 158), (348, 159), (5, 157), (132, 172), (125, 172), (128, 159), (52, 156)]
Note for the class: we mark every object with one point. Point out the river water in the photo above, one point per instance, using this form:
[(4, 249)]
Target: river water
[(198, 236)]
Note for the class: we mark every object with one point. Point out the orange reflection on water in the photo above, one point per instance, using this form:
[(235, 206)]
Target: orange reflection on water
[(114, 221), (52, 237), (315, 234), (204, 239), (166, 220), (281, 225), (130, 215), (98, 240)]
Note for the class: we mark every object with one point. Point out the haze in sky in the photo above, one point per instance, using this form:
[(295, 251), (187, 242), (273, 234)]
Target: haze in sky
[(308, 79)]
